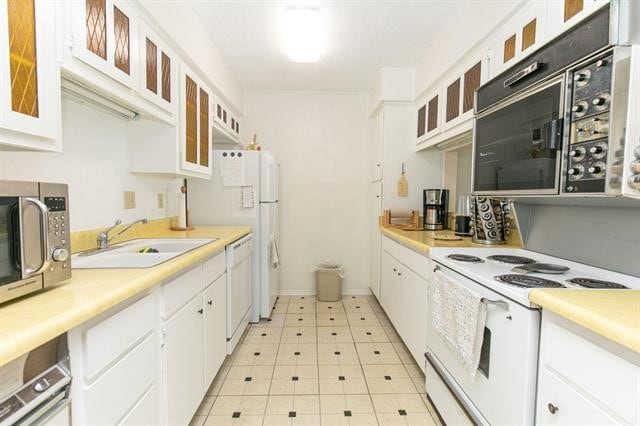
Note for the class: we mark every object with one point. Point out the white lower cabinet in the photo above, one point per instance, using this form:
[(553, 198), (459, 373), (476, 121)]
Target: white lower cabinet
[(184, 362), (150, 360), (403, 294), (585, 379), (215, 338)]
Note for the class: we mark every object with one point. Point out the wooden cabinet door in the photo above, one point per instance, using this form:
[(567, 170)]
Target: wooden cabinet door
[(29, 75), (105, 36), (215, 336), (157, 70), (183, 362), (422, 121), (195, 122)]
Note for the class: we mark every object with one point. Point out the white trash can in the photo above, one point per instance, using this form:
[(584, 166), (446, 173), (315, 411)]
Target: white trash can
[(329, 282)]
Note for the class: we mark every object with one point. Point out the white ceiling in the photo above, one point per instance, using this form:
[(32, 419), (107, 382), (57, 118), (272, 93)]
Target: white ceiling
[(361, 37)]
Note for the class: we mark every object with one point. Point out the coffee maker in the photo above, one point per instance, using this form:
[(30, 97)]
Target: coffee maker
[(436, 205)]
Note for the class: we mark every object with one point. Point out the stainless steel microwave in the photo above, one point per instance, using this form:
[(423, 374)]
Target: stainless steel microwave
[(555, 123), (34, 237)]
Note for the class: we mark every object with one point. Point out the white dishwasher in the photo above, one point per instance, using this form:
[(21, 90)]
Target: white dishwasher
[(239, 301)]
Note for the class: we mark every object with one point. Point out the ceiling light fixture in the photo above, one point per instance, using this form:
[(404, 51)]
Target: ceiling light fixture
[(304, 35)]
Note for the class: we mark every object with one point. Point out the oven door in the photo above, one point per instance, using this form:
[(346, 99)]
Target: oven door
[(517, 144), (23, 239), (503, 391)]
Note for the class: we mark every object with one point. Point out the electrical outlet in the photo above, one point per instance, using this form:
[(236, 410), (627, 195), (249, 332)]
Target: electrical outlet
[(129, 199), (160, 200)]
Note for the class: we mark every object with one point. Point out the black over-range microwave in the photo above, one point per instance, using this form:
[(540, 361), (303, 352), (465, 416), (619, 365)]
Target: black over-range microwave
[(555, 122)]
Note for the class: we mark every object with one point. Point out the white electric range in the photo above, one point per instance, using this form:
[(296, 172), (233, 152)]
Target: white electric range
[(503, 391)]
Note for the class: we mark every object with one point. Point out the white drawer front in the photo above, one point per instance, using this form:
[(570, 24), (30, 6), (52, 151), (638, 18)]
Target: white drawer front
[(419, 263), (146, 411), (213, 268), (609, 379), (113, 395), (108, 340), (560, 404), (177, 292)]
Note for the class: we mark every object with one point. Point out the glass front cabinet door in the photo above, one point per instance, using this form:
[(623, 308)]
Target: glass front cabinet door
[(29, 76)]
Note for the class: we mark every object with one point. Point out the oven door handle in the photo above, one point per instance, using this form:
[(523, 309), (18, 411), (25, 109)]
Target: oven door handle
[(464, 405), (500, 303), (524, 72), (44, 238)]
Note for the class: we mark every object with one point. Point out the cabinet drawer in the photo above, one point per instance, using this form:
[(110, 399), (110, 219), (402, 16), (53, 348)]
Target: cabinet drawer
[(213, 268), (419, 263), (599, 373), (561, 404), (177, 292), (116, 392), (108, 340)]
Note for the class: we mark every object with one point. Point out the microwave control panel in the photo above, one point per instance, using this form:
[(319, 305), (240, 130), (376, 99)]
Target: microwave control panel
[(56, 198), (586, 162)]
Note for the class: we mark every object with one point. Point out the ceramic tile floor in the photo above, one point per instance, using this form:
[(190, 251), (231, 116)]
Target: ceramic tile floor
[(319, 363)]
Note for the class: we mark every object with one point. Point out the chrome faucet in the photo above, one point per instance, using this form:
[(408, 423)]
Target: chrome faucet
[(143, 221), (103, 238)]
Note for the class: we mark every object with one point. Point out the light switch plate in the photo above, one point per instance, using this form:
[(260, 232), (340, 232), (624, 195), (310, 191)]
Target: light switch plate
[(160, 200), (129, 200)]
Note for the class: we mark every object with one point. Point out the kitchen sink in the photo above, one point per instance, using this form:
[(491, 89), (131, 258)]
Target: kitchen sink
[(127, 255)]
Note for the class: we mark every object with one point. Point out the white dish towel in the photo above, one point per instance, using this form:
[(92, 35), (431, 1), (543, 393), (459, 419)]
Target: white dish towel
[(273, 250), (459, 316)]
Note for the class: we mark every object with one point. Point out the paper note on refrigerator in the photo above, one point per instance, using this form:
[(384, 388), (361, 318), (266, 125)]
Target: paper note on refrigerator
[(248, 197), (233, 170)]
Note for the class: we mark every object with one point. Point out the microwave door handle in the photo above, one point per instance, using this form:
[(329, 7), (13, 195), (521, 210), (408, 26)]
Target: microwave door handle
[(44, 238)]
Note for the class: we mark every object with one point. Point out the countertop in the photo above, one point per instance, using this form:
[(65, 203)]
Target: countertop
[(31, 321), (422, 241), (614, 314)]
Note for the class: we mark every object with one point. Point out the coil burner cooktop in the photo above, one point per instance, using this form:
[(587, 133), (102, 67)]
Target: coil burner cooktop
[(597, 284), (527, 281), (464, 258), (511, 260)]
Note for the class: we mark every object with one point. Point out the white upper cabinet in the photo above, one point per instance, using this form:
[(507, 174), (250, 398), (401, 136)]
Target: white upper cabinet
[(195, 123), (158, 70), (520, 36), (563, 14), (29, 76), (105, 36)]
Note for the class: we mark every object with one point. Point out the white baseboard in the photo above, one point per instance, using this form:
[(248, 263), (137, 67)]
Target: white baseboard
[(347, 292)]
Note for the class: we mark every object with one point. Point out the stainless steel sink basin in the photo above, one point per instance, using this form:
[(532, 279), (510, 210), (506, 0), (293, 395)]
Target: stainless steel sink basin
[(127, 255)]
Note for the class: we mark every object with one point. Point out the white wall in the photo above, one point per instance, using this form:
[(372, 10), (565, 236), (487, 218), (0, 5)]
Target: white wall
[(94, 164), (180, 23), (320, 140)]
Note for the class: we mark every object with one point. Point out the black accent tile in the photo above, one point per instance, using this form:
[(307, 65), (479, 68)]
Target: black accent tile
[(256, 354), (298, 334), (268, 319), (247, 379), (300, 319), (302, 297), (296, 353), (330, 307), (301, 307), (331, 319), (292, 413), (347, 413), (353, 297), (376, 352), (387, 377), (334, 334), (236, 415), (368, 333), (263, 334), (357, 307), (402, 412), (294, 378), (341, 378), (362, 318), (336, 353)]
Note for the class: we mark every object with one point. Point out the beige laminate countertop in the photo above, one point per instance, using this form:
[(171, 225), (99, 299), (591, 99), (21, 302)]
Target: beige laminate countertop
[(422, 241), (31, 321), (614, 314)]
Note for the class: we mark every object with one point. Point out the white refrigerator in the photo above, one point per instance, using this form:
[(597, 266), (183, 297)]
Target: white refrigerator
[(243, 190)]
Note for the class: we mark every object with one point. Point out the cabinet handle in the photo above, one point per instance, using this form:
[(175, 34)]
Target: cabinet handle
[(210, 302), (395, 270), (552, 408), (200, 310), (399, 273)]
